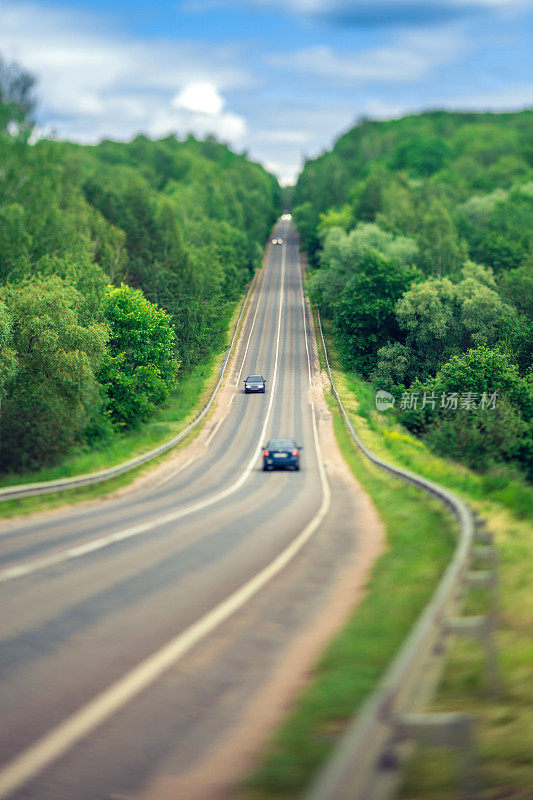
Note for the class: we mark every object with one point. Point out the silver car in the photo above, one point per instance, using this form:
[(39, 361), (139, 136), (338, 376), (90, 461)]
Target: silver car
[(254, 383)]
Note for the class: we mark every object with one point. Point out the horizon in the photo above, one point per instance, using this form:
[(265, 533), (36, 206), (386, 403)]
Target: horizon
[(279, 81)]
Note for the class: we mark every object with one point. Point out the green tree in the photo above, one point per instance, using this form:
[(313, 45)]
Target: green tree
[(306, 218), (14, 241), (479, 438), (8, 358), (367, 197), (441, 252), (49, 397), (442, 318), (516, 286), (399, 213), (483, 369), (364, 316), (421, 155), (494, 431), (342, 252), (140, 366), (17, 101), (394, 366), (336, 218), (82, 273)]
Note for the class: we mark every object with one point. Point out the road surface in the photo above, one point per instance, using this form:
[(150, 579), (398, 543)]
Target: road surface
[(137, 633)]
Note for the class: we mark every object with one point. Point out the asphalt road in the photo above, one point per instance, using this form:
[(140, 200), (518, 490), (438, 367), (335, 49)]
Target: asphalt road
[(135, 632)]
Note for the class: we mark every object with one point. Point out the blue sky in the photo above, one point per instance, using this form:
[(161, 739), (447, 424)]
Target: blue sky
[(280, 79)]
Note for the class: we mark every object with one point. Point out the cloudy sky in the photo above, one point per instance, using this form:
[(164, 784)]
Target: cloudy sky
[(277, 78)]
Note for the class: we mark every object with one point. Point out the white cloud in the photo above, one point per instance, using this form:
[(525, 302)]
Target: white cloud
[(411, 56), (200, 97), (94, 83)]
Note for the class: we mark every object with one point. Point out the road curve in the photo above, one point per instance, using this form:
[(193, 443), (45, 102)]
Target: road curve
[(136, 631)]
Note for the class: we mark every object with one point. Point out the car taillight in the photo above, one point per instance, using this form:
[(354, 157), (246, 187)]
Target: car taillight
[(295, 452), (266, 453)]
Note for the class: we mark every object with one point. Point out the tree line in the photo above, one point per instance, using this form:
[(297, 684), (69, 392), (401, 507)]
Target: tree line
[(419, 233), (120, 265)]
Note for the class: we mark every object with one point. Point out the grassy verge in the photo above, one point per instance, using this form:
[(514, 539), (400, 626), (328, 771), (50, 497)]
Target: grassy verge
[(505, 723), (189, 396), (420, 541)]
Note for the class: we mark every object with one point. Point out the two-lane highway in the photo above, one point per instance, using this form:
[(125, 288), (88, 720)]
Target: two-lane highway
[(134, 632)]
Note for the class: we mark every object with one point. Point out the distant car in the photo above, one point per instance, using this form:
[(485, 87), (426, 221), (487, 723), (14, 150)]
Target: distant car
[(281, 453), (254, 383), (286, 216), (277, 241)]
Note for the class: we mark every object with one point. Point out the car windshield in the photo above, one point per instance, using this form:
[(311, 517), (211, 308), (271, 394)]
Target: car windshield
[(254, 378), (281, 444)]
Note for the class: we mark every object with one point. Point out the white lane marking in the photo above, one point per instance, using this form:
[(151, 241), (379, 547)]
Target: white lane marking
[(249, 338), (303, 315), (215, 429), (30, 567), (172, 474), (65, 735)]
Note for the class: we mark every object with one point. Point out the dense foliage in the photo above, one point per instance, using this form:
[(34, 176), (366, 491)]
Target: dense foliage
[(119, 263), (419, 232), (139, 366)]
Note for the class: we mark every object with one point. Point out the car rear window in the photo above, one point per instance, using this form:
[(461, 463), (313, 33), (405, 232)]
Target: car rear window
[(281, 444)]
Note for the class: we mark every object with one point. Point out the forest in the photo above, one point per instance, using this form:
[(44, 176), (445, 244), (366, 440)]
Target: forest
[(120, 267), (419, 235)]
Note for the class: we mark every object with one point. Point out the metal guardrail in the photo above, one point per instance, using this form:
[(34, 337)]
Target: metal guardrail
[(63, 484), (368, 761)]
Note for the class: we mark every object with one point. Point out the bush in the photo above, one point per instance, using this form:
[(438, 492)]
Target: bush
[(478, 437)]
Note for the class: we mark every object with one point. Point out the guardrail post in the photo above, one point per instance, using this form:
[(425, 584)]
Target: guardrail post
[(484, 553), (446, 730), (481, 534), (482, 628), (486, 579)]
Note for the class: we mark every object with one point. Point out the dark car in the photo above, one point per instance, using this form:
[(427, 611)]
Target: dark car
[(283, 453), (254, 383)]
